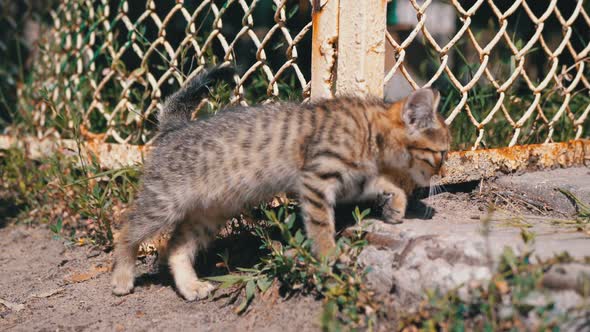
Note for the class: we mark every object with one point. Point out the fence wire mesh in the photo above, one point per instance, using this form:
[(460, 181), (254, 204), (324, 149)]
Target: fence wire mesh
[(107, 65), (511, 72)]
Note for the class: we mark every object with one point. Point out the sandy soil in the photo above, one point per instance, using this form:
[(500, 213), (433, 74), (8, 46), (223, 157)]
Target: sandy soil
[(46, 286)]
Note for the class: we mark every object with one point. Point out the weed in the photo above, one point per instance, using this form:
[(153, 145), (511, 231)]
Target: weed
[(57, 227), (73, 197), (289, 262), (583, 209), (579, 222)]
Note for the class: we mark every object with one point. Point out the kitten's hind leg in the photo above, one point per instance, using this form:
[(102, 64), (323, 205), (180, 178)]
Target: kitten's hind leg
[(187, 238), (124, 269), (148, 217)]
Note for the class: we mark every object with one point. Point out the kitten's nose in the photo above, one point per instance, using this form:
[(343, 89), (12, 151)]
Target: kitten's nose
[(442, 171)]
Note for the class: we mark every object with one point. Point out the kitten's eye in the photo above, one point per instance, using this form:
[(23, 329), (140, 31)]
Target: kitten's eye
[(430, 156), (428, 161)]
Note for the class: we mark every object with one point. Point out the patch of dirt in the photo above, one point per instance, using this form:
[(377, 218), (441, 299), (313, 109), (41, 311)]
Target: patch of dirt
[(47, 286), (481, 195)]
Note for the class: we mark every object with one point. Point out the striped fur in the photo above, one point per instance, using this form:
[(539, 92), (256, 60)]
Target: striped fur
[(200, 173)]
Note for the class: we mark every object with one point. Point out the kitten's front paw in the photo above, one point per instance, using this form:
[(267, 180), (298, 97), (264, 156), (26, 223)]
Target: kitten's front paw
[(195, 290), (122, 283), (391, 215)]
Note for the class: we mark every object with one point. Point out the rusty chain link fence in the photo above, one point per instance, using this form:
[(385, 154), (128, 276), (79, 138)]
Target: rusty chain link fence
[(511, 72)]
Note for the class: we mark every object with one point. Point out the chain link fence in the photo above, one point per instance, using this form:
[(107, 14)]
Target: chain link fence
[(511, 72), (107, 65)]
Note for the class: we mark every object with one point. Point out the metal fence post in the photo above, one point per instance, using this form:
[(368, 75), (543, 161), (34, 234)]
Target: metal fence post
[(348, 48), (361, 47)]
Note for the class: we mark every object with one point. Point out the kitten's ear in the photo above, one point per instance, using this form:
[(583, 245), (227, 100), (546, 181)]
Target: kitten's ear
[(419, 110)]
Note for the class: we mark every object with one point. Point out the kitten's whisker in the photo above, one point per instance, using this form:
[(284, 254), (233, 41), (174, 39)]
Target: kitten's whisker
[(441, 188), (434, 187), (437, 189), (428, 199), (428, 209)]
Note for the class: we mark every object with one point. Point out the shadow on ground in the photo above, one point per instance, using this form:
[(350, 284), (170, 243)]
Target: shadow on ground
[(8, 210)]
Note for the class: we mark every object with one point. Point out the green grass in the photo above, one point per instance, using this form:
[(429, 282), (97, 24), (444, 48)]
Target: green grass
[(79, 200), (289, 262)]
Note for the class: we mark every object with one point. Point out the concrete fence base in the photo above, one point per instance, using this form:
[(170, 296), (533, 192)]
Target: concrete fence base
[(462, 166)]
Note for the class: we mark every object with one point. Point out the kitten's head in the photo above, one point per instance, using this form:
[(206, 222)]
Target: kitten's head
[(427, 136)]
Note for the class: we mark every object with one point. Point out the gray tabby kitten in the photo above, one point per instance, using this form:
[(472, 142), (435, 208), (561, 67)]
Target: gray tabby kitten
[(201, 173)]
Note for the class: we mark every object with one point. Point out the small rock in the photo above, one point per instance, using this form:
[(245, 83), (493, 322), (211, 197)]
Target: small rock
[(565, 300), (93, 253), (536, 299), (573, 276), (11, 305), (381, 272), (505, 312), (18, 234)]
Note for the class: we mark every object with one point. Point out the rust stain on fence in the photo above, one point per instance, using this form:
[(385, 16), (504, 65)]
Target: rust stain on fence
[(324, 48), (461, 166), (465, 166)]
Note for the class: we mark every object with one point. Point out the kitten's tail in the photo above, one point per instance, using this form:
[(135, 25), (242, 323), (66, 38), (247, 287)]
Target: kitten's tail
[(178, 108)]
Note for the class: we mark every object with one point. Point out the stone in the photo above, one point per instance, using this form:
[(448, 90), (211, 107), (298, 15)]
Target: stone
[(451, 250)]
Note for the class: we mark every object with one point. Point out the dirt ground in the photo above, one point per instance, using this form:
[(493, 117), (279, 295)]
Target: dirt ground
[(46, 286)]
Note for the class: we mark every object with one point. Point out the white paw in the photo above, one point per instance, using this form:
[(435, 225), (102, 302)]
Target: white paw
[(195, 290), (122, 284)]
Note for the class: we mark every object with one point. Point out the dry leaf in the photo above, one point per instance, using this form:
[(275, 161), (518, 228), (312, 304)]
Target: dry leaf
[(79, 277), (96, 270), (502, 286)]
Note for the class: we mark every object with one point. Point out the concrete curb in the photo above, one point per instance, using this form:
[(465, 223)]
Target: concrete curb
[(462, 166)]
